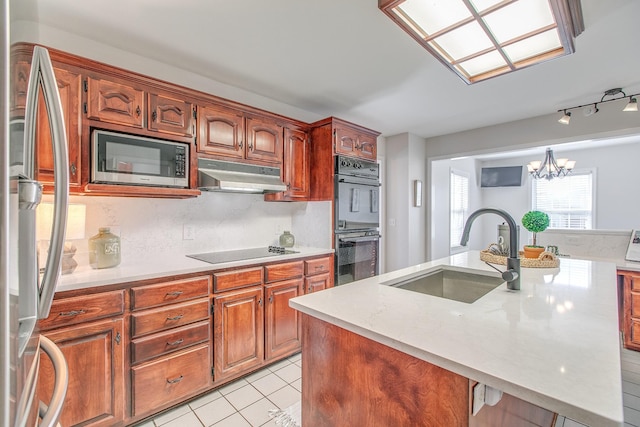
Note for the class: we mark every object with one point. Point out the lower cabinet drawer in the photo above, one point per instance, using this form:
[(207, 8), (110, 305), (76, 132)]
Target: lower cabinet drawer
[(159, 319), (155, 345), (169, 380), (317, 266)]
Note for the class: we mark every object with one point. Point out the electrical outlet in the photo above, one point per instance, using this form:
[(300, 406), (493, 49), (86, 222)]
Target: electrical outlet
[(188, 232)]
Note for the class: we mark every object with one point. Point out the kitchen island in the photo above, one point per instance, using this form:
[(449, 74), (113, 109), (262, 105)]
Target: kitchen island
[(555, 343)]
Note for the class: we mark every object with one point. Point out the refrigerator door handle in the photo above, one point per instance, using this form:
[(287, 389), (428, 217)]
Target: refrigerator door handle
[(42, 74), (50, 414)]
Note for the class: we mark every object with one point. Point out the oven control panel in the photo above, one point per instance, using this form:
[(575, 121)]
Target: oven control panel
[(356, 167)]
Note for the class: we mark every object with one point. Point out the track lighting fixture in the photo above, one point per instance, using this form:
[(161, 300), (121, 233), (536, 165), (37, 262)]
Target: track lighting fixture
[(591, 109)]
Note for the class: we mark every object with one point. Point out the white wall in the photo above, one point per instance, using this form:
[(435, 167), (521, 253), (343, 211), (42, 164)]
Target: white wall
[(405, 228), (439, 221), (615, 210), (617, 175)]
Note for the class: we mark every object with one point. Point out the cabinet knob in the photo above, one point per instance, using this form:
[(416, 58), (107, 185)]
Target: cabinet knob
[(240, 145), (73, 168), (154, 116), (138, 111)]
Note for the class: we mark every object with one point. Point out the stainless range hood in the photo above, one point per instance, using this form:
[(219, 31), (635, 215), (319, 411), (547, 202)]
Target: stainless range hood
[(215, 175)]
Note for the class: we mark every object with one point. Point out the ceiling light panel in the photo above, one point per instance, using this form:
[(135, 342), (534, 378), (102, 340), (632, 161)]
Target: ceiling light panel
[(483, 64), (464, 41), (479, 39), (536, 45), (435, 15), (483, 5), (519, 18)]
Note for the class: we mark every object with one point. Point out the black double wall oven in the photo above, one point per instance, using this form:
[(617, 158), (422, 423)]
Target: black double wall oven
[(356, 219)]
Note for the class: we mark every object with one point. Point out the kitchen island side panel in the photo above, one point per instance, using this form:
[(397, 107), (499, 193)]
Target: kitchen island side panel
[(351, 380)]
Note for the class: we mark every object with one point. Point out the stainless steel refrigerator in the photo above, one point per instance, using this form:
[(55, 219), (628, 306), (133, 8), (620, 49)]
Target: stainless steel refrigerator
[(25, 293)]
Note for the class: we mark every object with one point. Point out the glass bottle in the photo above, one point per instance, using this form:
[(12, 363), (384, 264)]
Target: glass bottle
[(287, 240), (104, 249)]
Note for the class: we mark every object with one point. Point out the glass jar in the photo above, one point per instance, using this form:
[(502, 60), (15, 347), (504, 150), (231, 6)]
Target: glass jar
[(287, 240), (104, 249)]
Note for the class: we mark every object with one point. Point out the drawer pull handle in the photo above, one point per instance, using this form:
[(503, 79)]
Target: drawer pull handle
[(319, 267), (177, 342), (178, 317), (174, 293), (175, 380), (71, 313)]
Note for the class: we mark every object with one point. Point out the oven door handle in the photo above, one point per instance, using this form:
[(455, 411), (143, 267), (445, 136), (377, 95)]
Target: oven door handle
[(346, 181), (359, 239)]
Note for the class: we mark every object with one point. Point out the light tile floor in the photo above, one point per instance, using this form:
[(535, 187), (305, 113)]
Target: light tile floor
[(243, 403)]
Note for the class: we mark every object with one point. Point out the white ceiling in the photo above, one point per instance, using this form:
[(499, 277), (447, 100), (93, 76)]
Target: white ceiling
[(345, 58)]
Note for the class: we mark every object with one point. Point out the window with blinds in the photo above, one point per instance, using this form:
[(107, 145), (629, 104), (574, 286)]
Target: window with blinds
[(459, 205), (568, 201)]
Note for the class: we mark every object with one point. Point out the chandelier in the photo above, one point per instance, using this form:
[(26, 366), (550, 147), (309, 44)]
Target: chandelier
[(550, 168)]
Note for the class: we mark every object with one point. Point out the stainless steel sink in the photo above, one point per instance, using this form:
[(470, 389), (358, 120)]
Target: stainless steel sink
[(451, 284)]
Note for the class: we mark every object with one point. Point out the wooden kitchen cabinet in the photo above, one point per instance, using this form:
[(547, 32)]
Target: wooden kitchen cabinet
[(353, 141), (630, 318), (69, 88), (296, 167), (171, 115), (331, 137), (115, 103), (69, 83), (95, 357), (282, 323), (230, 134), (238, 328), (318, 274), (170, 349)]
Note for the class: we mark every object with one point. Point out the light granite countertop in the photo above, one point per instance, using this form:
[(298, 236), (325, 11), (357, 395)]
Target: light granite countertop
[(555, 343), (151, 266)]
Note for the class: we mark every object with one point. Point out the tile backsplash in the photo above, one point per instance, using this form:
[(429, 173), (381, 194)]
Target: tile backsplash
[(210, 222)]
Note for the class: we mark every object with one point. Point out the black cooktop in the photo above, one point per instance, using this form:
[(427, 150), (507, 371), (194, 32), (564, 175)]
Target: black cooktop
[(241, 254)]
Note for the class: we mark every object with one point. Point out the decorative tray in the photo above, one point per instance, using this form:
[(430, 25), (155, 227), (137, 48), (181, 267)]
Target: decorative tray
[(544, 260)]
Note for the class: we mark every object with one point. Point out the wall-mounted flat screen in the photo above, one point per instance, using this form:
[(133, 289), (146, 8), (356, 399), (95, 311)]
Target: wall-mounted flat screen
[(507, 176)]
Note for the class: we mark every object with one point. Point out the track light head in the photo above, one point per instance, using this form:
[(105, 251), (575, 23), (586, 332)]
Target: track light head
[(565, 118), (632, 105)]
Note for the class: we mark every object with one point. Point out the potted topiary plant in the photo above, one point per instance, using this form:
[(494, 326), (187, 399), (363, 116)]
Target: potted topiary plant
[(536, 222)]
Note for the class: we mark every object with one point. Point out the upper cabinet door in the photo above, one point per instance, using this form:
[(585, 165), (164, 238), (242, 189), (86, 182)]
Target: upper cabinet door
[(296, 167), (20, 84), (264, 140), (367, 147), (345, 140), (170, 115), (115, 103), (221, 132), (69, 88)]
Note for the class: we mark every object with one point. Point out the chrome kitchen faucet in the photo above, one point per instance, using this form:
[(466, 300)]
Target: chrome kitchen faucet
[(512, 275)]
